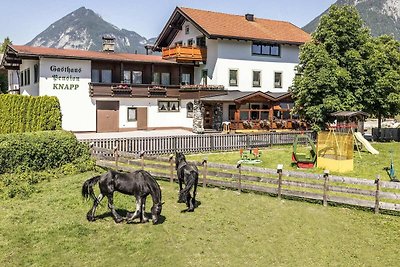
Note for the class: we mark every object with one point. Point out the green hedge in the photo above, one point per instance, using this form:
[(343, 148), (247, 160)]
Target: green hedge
[(20, 114), (39, 151), (29, 158)]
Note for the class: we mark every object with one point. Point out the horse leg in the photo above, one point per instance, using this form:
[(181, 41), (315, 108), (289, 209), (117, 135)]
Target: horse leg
[(136, 214), (143, 218), (193, 202), (117, 218), (189, 202), (90, 215), (180, 200)]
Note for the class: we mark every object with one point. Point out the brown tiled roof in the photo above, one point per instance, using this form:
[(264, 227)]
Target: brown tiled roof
[(31, 51), (225, 25)]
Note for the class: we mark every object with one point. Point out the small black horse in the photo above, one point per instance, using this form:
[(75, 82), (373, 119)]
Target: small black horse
[(139, 184), (189, 175)]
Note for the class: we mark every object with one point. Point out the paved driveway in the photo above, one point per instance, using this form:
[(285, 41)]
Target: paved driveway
[(133, 134)]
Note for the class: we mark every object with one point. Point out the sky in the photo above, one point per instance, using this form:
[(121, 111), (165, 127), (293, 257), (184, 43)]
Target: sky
[(22, 20)]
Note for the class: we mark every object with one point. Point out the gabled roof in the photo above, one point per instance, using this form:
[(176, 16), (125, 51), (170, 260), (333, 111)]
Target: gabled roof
[(220, 25), (26, 52)]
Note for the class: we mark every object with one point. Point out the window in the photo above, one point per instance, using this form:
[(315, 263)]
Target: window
[(132, 114), (106, 76), (156, 78), (266, 49), (172, 106), (127, 76), (178, 43), (137, 77), (189, 110), (185, 79), (233, 79), (27, 76), (101, 76), (95, 76), (201, 41), (165, 78), (21, 79), (256, 78), (36, 73), (187, 29), (278, 80), (204, 75), (190, 42)]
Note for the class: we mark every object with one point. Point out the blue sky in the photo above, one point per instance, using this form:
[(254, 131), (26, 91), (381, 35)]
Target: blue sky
[(22, 20)]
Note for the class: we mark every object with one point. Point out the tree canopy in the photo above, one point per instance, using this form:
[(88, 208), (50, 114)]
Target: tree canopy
[(4, 44), (344, 68)]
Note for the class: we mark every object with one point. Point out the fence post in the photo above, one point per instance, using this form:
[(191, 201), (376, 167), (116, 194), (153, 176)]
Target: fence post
[(116, 155), (171, 166), (279, 171), (91, 149), (212, 145), (247, 141), (142, 159), (326, 180), (239, 166), (204, 163), (377, 182)]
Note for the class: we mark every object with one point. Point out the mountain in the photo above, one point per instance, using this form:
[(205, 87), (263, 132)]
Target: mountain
[(381, 16), (84, 29)]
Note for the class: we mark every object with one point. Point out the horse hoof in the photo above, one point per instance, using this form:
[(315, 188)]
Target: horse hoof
[(118, 220), (144, 220), (190, 210), (90, 218)]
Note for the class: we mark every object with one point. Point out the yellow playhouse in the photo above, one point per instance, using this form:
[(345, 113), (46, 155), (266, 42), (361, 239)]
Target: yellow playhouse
[(335, 150)]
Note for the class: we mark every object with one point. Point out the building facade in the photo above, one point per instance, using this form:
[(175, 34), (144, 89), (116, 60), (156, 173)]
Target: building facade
[(214, 68)]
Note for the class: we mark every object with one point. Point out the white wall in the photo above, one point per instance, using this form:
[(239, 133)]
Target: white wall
[(223, 55), (78, 109), (183, 37), (155, 119), (33, 88)]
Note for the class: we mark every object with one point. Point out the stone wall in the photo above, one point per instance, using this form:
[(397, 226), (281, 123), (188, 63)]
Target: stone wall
[(198, 112)]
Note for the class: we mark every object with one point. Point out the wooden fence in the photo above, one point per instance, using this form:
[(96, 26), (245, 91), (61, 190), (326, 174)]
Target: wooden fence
[(374, 194), (195, 143)]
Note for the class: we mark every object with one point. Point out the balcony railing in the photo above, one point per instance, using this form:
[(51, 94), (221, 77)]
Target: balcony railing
[(185, 53)]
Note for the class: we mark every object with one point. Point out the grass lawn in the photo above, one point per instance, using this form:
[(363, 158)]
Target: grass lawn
[(227, 229), (367, 166)]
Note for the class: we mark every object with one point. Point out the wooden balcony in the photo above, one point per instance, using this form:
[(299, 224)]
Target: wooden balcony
[(185, 54)]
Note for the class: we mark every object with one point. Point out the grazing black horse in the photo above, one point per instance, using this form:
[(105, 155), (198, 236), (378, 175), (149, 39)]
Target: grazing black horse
[(139, 184), (189, 175)]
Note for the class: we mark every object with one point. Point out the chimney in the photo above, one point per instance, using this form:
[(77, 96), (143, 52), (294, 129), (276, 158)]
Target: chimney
[(108, 44), (249, 17)]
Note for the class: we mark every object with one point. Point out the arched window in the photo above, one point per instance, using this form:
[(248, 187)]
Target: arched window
[(189, 110)]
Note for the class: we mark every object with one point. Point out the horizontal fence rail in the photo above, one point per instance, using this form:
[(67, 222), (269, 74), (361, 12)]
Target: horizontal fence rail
[(373, 194), (195, 143)]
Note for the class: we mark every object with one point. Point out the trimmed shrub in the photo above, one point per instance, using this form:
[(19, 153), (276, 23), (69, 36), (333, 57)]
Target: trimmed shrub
[(29, 113), (29, 158), (39, 151)]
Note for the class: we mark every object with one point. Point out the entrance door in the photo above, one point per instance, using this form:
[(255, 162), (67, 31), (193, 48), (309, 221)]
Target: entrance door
[(208, 116), (142, 118), (107, 116)]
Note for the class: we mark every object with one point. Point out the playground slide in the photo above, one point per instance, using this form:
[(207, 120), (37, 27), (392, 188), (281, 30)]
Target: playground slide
[(365, 142)]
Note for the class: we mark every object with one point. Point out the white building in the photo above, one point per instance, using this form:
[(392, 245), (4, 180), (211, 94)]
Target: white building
[(214, 67)]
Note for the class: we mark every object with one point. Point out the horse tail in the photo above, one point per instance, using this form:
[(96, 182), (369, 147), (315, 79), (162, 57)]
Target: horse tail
[(87, 187), (191, 181)]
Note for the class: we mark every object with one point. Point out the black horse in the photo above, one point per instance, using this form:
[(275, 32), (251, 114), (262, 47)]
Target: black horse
[(139, 184), (189, 175)]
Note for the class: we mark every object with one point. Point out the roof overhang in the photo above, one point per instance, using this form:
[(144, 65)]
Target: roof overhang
[(11, 60)]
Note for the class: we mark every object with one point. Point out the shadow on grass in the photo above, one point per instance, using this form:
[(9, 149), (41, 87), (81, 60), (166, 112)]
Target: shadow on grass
[(124, 213), (197, 204)]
